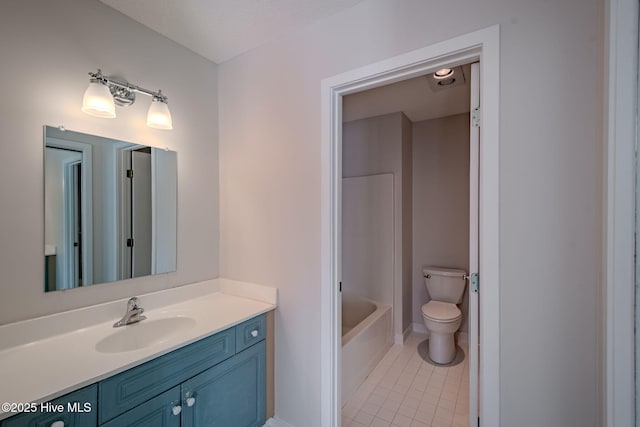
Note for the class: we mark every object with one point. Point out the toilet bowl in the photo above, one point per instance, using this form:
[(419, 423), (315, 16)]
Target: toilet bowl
[(442, 321), (441, 315)]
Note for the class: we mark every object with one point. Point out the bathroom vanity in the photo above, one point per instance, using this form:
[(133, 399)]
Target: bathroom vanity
[(191, 378), (202, 353)]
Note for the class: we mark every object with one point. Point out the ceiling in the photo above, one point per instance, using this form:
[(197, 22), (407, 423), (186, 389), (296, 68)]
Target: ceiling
[(222, 29), (414, 97)]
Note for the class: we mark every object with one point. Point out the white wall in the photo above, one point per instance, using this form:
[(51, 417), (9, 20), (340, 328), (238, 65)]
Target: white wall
[(367, 237), (551, 156), (382, 144), (165, 195), (46, 50), (440, 202)]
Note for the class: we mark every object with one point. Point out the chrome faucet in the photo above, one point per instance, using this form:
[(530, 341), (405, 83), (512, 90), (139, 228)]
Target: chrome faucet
[(133, 314)]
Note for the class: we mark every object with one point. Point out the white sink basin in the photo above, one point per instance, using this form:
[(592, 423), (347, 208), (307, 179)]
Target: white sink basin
[(144, 334)]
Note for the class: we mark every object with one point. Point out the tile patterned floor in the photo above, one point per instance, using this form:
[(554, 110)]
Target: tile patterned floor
[(405, 391)]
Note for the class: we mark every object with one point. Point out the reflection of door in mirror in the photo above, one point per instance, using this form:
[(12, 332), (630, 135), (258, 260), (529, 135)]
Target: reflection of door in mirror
[(115, 202), (65, 216), (73, 215), (137, 215)]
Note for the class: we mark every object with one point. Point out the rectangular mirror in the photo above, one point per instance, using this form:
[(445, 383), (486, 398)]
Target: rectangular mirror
[(110, 210)]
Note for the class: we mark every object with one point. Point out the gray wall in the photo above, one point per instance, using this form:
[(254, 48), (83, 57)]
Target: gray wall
[(551, 171), (378, 145), (440, 202), (47, 49)]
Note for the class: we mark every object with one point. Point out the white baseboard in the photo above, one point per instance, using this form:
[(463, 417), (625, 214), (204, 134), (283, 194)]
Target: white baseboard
[(275, 422), (401, 338)]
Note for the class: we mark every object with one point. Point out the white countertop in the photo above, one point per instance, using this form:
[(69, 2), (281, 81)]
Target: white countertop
[(50, 366)]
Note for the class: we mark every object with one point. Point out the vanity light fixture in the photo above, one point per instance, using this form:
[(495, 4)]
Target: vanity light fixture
[(105, 92)]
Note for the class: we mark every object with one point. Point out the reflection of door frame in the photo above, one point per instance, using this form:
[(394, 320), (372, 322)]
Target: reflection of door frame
[(86, 151), (481, 45), (72, 254), (123, 226), (621, 101)]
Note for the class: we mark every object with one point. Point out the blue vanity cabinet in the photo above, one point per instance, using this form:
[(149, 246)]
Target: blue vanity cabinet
[(231, 394), (76, 409), (250, 332), (218, 381), (130, 388), (161, 411)]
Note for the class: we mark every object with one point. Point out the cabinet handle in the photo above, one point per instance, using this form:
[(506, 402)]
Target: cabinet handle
[(191, 401), (254, 333), (57, 424), (176, 410)]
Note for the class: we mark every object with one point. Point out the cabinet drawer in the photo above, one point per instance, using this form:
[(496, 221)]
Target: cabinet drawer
[(250, 332), (124, 391), (79, 409), (156, 412)]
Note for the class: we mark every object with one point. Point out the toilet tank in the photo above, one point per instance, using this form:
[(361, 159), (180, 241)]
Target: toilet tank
[(445, 284)]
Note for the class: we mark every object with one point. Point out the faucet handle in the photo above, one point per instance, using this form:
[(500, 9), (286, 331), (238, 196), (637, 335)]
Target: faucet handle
[(132, 304)]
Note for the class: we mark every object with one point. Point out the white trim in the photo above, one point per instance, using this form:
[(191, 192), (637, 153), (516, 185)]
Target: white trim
[(276, 422), (473, 316), (69, 273), (86, 151), (481, 45), (401, 338), (621, 101), (154, 211)]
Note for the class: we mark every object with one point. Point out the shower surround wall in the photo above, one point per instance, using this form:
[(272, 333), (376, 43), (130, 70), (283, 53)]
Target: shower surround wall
[(367, 238), (440, 203), (379, 145)]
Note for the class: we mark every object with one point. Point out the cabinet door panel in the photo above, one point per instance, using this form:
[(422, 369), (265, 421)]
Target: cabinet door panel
[(231, 394), (156, 412)]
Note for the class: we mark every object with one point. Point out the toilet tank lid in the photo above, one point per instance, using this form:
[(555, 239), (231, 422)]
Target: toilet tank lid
[(443, 271)]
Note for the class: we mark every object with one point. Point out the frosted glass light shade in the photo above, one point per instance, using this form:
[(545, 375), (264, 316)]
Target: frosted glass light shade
[(98, 101), (159, 116)]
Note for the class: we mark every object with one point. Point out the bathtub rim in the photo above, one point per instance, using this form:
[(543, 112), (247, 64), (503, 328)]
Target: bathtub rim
[(380, 310)]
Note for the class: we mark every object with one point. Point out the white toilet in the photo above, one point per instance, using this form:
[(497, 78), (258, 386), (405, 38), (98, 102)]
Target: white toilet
[(441, 315)]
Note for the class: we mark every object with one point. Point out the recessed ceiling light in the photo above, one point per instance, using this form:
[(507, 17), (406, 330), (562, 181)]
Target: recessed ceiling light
[(446, 82), (443, 73)]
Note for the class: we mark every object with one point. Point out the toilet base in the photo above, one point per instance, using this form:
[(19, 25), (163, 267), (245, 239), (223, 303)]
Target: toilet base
[(442, 348)]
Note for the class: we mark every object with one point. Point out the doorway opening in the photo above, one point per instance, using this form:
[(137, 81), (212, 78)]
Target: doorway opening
[(479, 46), (409, 220), (68, 217)]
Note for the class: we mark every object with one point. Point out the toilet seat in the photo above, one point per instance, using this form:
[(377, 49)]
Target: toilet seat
[(441, 312)]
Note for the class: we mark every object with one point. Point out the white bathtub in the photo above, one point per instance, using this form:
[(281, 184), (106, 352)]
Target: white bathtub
[(367, 334)]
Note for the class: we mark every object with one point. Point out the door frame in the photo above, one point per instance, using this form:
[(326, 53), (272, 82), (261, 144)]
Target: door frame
[(72, 264), (621, 102), (86, 150), (483, 46)]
